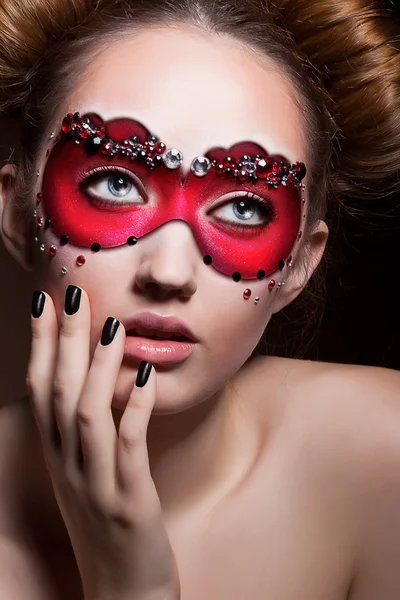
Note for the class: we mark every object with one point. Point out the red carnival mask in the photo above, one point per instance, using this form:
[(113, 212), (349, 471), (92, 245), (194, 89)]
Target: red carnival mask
[(125, 147)]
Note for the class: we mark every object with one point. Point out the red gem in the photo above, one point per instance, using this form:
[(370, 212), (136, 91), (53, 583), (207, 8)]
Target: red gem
[(289, 260), (274, 179), (151, 152), (275, 167), (263, 168), (228, 163), (161, 147), (80, 261), (40, 221), (106, 148), (52, 250), (243, 175), (39, 198), (246, 294), (67, 123), (271, 284), (220, 169), (101, 131)]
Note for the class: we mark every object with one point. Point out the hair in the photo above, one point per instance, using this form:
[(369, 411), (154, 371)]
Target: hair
[(341, 58)]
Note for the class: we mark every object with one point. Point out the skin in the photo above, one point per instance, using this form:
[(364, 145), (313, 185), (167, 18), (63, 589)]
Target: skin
[(195, 405)]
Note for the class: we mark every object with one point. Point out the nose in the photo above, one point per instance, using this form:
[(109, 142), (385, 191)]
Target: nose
[(168, 261)]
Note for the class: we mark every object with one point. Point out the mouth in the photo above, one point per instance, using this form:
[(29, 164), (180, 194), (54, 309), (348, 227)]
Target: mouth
[(154, 334)]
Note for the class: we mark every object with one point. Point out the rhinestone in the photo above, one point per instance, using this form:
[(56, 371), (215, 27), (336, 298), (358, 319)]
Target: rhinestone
[(248, 163), (242, 175), (236, 276), (35, 213), (260, 274), (289, 261), (172, 158), (153, 140), (283, 281), (52, 250), (36, 239), (64, 239), (96, 247), (279, 286), (200, 166), (38, 172), (207, 259), (67, 123), (246, 294), (40, 221), (42, 248), (47, 223), (256, 300), (64, 271), (38, 198), (263, 168), (271, 284), (281, 264), (133, 140), (132, 241), (52, 135), (93, 145), (80, 261)]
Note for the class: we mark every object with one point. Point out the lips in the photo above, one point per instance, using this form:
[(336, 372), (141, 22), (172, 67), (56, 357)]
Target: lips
[(155, 326)]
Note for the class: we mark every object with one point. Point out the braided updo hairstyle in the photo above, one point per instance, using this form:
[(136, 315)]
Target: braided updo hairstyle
[(341, 58)]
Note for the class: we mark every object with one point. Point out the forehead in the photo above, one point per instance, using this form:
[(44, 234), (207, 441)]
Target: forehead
[(194, 91)]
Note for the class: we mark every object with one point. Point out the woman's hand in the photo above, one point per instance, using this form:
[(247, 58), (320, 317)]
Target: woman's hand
[(101, 479)]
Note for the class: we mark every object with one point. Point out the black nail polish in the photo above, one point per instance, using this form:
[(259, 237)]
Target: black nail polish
[(143, 373), (109, 330), (72, 299), (38, 302)]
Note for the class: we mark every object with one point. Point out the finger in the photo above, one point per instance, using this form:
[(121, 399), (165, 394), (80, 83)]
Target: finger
[(94, 416), (133, 469), (42, 360), (71, 370)]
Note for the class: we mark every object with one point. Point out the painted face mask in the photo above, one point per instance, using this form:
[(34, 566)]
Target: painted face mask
[(124, 153)]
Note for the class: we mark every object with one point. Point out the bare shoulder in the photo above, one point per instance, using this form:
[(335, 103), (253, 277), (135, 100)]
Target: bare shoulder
[(346, 419)]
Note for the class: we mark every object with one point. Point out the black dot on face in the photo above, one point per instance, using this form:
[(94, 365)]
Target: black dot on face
[(281, 264), (236, 276), (64, 239), (47, 223), (260, 274), (132, 241), (96, 247), (207, 259)]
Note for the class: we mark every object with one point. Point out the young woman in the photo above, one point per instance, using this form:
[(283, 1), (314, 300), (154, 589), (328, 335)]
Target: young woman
[(169, 196)]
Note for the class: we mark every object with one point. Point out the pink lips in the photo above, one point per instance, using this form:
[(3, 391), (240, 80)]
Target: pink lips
[(163, 351)]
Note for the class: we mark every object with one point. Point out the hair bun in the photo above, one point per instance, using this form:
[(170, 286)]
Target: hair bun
[(355, 47), (27, 30)]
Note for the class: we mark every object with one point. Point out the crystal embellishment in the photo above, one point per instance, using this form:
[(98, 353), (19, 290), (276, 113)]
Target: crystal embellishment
[(172, 158), (200, 166)]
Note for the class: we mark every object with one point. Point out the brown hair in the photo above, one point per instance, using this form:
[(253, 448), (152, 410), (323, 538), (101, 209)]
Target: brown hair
[(342, 59)]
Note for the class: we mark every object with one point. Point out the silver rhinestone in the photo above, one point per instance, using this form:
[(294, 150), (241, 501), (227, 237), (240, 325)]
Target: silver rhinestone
[(248, 163), (38, 172), (64, 271), (283, 281), (36, 240), (52, 135), (42, 247), (152, 140), (172, 158), (279, 286), (35, 213), (256, 300), (200, 166), (133, 140)]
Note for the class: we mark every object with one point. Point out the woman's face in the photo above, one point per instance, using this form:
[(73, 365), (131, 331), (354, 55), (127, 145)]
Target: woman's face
[(194, 93)]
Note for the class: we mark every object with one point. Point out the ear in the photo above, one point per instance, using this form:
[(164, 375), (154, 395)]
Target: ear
[(313, 251), (15, 228)]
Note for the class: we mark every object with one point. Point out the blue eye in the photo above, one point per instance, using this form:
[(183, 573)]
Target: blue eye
[(250, 212), (112, 186)]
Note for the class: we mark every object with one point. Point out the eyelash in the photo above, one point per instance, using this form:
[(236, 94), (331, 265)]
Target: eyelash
[(264, 205)]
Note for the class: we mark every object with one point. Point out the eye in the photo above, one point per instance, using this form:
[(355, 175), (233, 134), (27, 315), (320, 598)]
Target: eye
[(112, 186), (248, 211)]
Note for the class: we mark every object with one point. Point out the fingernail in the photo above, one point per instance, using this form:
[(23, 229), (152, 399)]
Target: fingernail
[(38, 302), (109, 330), (72, 299), (143, 373)]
